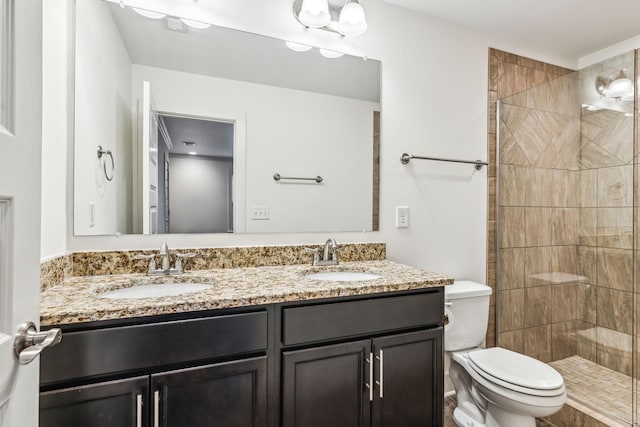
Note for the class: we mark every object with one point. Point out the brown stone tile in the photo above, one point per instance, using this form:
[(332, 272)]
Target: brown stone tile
[(513, 184), (538, 226), (563, 301), (563, 340), (615, 350), (538, 306), (567, 417), (588, 188), (615, 186), (537, 261), (493, 72), (587, 258), (511, 227), (586, 303), (588, 226), (491, 329), (512, 340), (615, 309), (615, 269), (615, 227), (511, 310), (539, 187), (511, 269), (564, 226), (512, 78), (491, 198), (537, 342), (564, 259), (586, 341)]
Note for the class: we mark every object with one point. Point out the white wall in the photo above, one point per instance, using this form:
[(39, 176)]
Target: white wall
[(103, 106), (434, 90), (55, 128), (291, 132)]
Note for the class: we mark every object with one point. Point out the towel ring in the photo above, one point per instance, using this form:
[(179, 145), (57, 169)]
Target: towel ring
[(107, 153)]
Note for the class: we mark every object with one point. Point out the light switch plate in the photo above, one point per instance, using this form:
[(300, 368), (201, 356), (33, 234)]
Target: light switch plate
[(402, 216), (92, 214)]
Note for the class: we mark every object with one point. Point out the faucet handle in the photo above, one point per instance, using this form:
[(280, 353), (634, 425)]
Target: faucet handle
[(178, 266), (316, 254), (152, 261)]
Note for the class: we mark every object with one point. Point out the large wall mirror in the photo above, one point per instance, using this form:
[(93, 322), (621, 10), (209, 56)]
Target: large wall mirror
[(185, 127)]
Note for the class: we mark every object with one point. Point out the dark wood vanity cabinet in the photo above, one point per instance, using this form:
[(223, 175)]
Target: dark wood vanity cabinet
[(355, 361)]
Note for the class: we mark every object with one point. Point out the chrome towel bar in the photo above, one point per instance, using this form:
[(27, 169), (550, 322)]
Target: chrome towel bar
[(277, 177), (405, 158)]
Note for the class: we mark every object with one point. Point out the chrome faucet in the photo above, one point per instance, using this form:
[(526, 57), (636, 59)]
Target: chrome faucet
[(330, 247), (165, 266), (164, 253)]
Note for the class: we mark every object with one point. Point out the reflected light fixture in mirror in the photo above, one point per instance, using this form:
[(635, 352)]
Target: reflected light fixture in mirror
[(344, 18), (620, 87), (298, 47), (148, 13), (331, 54)]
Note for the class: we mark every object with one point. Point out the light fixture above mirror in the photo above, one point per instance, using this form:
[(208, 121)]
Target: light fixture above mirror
[(346, 18)]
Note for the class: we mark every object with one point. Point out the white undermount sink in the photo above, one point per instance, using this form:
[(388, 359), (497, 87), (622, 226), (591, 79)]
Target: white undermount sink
[(342, 276), (155, 291)]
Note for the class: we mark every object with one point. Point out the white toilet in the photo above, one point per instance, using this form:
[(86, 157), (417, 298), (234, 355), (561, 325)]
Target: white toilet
[(495, 387)]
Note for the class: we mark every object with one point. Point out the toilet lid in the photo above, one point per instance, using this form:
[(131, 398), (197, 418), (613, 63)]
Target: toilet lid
[(515, 368)]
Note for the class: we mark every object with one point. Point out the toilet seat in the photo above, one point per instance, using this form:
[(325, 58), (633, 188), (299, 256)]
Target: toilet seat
[(516, 372)]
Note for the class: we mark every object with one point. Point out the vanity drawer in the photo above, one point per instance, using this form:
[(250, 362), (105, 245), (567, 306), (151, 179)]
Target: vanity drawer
[(323, 322), (140, 347)]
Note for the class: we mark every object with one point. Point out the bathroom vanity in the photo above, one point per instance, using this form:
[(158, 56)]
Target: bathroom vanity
[(320, 353)]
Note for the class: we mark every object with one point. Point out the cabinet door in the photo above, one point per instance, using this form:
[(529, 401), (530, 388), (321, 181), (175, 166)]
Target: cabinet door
[(230, 394), (409, 379), (326, 386), (109, 404)]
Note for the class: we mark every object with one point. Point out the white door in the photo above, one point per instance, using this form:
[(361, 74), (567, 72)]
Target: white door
[(20, 157), (149, 162)]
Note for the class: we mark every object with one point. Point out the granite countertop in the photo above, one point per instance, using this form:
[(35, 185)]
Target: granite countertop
[(77, 299)]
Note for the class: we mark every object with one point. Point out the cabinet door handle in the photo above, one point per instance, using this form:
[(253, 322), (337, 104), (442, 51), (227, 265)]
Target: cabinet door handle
[(156, 408), (380, 382), (369, 385), (139, 410)]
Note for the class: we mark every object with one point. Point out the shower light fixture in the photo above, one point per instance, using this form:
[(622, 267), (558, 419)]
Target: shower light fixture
[(620, 87), (345, 17), (149, 13), (298, 47)]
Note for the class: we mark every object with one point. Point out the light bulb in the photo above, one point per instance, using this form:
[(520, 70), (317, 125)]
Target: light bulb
[(314, 13), (331, 54), (149, 13), (352, 19), (298, 47), (195, 24)]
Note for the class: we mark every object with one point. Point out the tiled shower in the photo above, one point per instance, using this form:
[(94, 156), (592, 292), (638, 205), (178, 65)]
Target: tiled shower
[(561, 227)]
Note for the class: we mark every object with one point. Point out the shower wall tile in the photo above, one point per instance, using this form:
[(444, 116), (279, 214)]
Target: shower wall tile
[(537, 262), (586, 339), (588, 188), (512, 79), (614, 309), (563, 340), (588, 227), (492, 97), (615, 186), (539, 187), (512, 227), (564, 302), (491, 329), (513, 180), (564, 187), (614, 350), (511, 268), (512, 340), (587, 257), (537, 342), (586, 303), (511, 310), (615, 269), (537, 310), (564, 259), (538, 226), (593, 156), (564, 226), (615, 228), (491, 199)]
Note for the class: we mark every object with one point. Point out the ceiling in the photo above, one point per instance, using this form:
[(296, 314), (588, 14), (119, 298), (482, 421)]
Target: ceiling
[(569, 27)]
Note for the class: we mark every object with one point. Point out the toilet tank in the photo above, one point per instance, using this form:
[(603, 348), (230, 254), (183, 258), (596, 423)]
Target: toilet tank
[(467, 310)]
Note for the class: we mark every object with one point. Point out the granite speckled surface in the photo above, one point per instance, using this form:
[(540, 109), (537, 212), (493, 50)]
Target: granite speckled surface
[(77, 299), (54, 271), (122, 262)]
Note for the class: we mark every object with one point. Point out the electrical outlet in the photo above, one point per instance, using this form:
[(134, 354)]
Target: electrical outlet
[(402, 216), (259, 212), (92, 214)]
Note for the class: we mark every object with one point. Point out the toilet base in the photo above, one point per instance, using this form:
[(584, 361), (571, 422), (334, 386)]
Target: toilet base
[(498, 417), (463, 420)]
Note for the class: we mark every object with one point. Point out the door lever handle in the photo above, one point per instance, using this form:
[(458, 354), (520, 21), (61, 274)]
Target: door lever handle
[(29, 342)]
